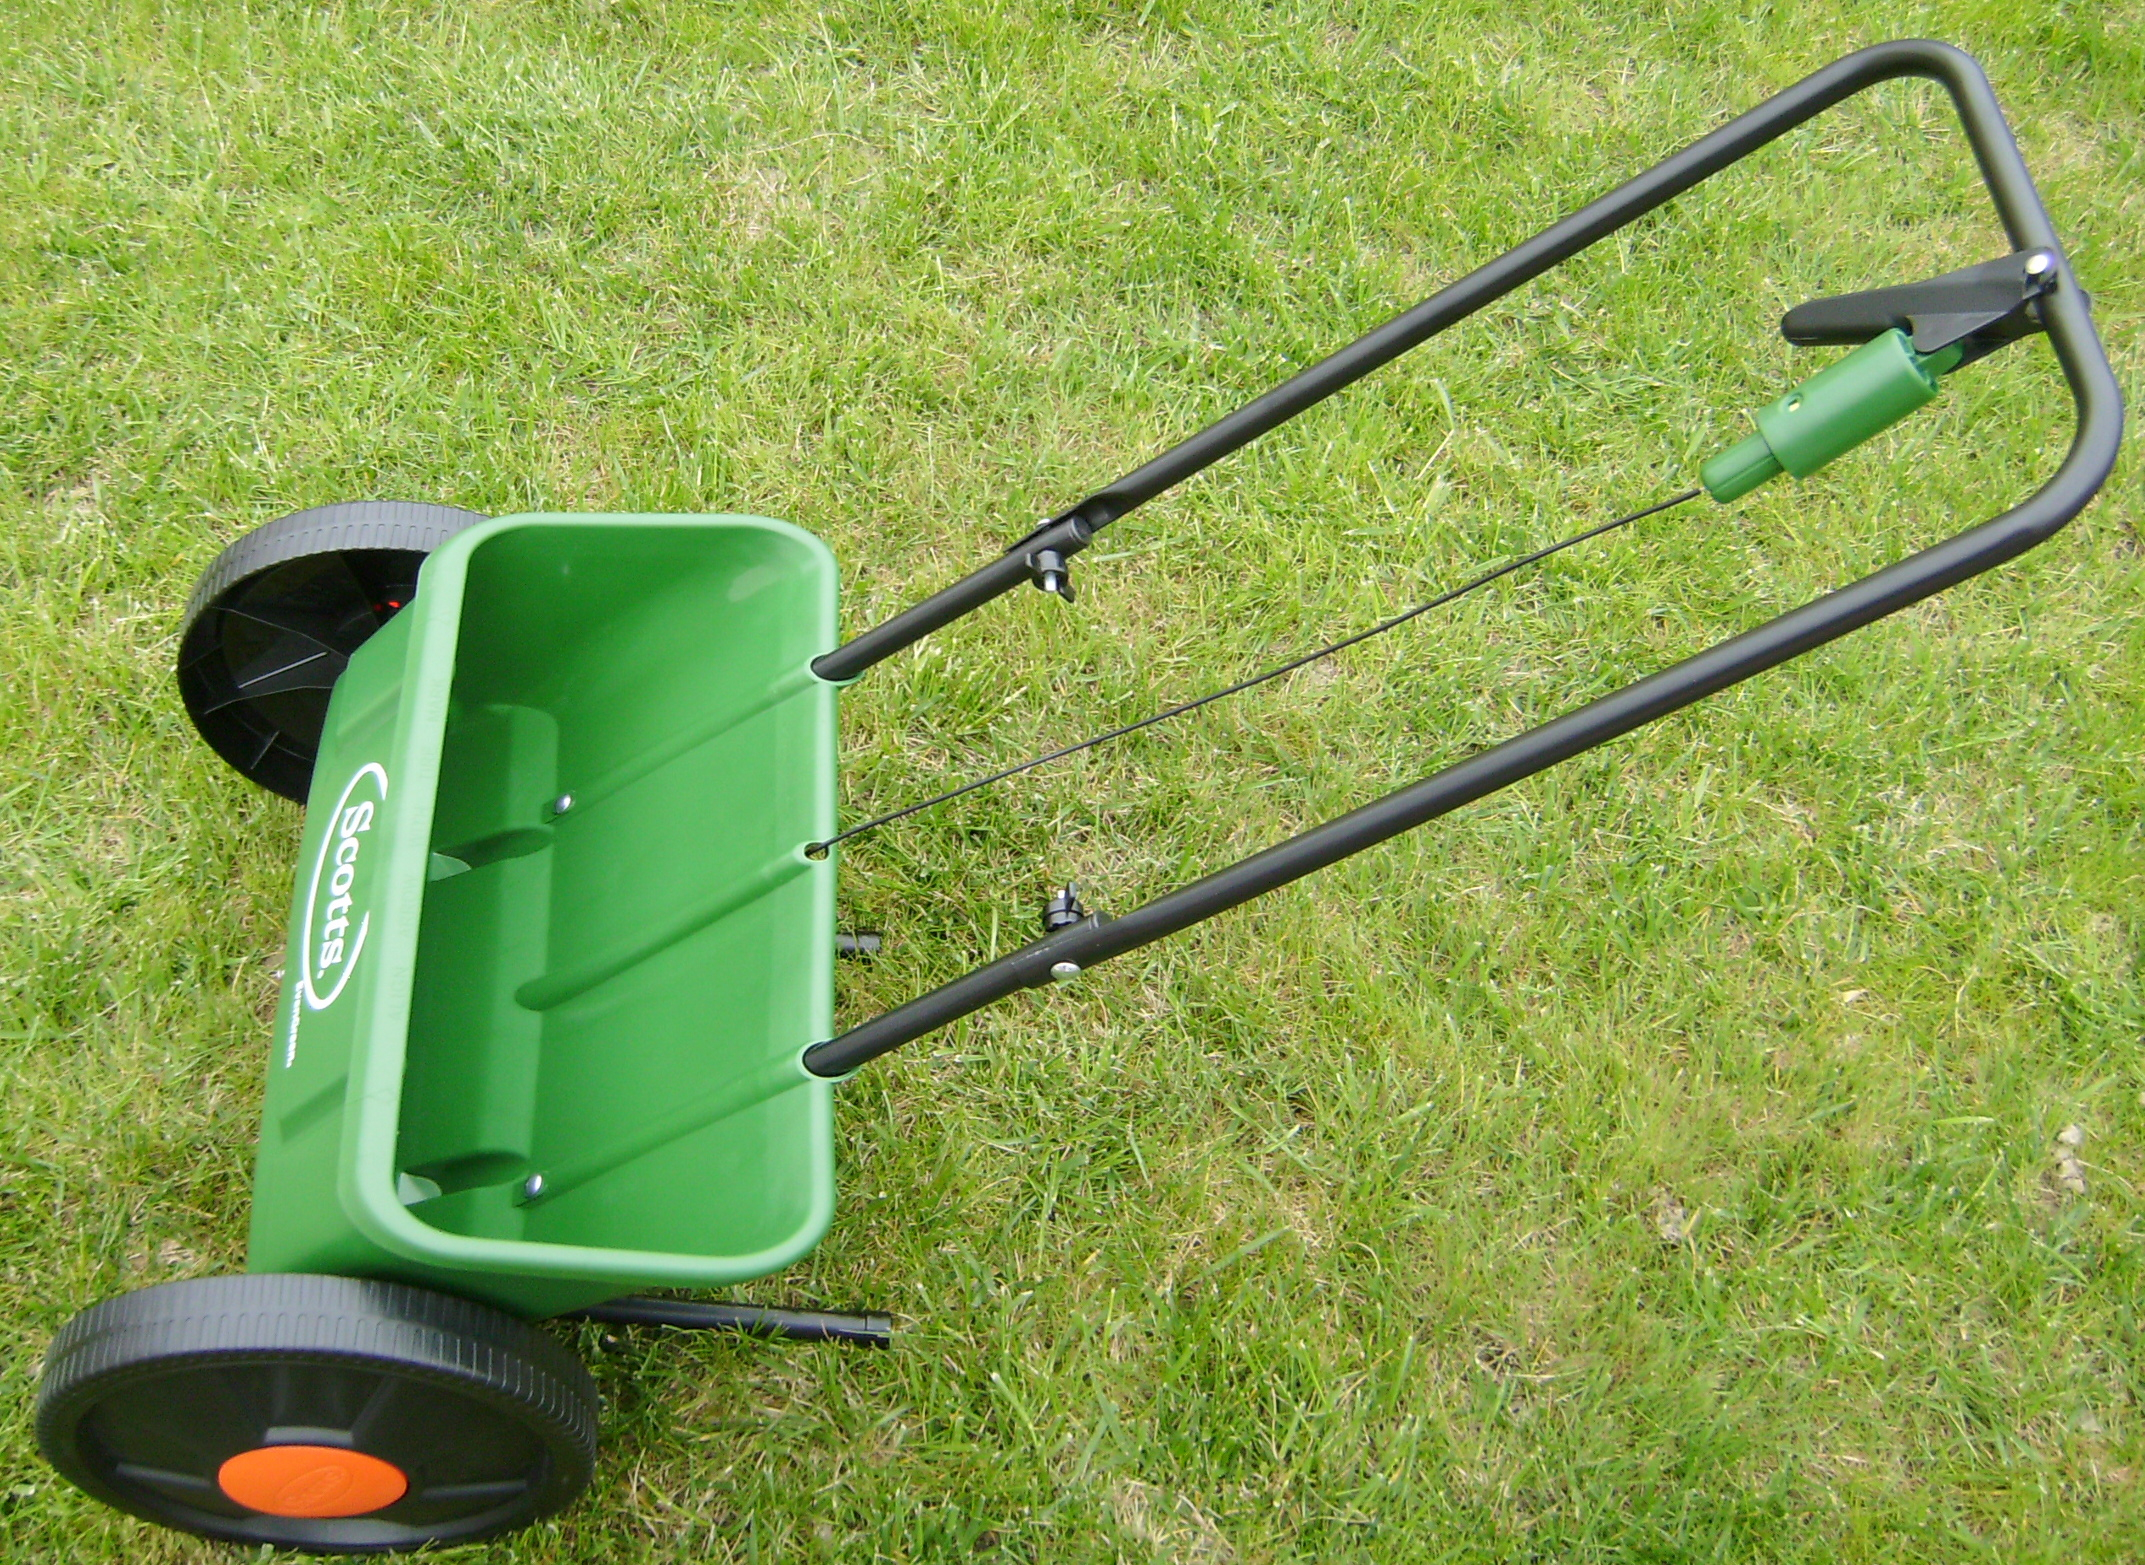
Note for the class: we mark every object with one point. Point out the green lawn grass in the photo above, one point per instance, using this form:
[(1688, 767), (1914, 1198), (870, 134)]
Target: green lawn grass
[(1652, 1163)]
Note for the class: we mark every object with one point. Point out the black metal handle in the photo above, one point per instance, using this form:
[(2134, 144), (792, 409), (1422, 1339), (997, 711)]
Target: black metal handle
[(2085, 467), (2016, 202)]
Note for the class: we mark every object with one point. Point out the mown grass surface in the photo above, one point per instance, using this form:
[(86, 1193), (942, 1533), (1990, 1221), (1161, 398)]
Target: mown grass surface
[(1652, 1163)]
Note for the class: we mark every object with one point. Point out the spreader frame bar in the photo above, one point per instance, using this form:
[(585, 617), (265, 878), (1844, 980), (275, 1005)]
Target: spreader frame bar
[(2085, 467)]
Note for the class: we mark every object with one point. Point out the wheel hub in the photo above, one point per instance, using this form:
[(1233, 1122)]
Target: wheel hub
[(311, 1480)]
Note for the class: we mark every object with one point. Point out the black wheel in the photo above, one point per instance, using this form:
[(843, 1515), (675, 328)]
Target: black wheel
[(330, 1414), (273, 621)]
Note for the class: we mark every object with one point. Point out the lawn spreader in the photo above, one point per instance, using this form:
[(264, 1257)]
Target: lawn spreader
[(557, 1020)]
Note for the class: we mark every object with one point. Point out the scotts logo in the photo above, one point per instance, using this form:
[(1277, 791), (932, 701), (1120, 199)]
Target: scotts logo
[(336, 918)]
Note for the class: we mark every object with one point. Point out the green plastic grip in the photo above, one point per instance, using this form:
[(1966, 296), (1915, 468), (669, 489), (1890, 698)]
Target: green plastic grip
[(1832, 412)]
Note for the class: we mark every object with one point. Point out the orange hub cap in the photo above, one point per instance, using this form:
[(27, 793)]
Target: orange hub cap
[(311, 1480)]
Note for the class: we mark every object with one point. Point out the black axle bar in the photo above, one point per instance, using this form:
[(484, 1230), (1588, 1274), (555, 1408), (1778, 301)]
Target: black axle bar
[(873, 1331), (2085, 467)]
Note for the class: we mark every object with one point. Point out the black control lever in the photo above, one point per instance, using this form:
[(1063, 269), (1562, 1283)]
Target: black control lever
[(1980, 307)]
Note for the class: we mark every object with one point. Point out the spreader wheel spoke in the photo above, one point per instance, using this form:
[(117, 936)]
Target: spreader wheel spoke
[(455, 1496), (192, 1486)]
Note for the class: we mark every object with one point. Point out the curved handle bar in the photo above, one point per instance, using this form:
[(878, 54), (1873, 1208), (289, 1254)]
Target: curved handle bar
[(2085, 467), (2017, 203)]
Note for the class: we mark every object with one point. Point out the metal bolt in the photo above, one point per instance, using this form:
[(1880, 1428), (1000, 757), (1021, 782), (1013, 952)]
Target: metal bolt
[(562, 804), (1063, 910), (1052, 573), (2038, 263), (1064, 970), (532, 1187)]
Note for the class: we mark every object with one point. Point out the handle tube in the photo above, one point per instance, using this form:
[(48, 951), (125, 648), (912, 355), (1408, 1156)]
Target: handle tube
[(2085, 467), (1727, 663), (1485, 285)]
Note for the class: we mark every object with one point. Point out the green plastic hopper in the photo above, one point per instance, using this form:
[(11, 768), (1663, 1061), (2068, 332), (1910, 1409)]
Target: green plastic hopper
[(556, 947)]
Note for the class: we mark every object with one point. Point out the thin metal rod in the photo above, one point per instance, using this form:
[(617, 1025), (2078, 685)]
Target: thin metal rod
[(2085, 467), (871, 1331), (817, 849)]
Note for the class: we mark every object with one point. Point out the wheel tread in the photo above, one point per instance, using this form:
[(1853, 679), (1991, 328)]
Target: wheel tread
[(414, 525)]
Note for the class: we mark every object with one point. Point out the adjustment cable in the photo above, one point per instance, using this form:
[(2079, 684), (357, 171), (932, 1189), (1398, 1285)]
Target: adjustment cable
[(819, 849)]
